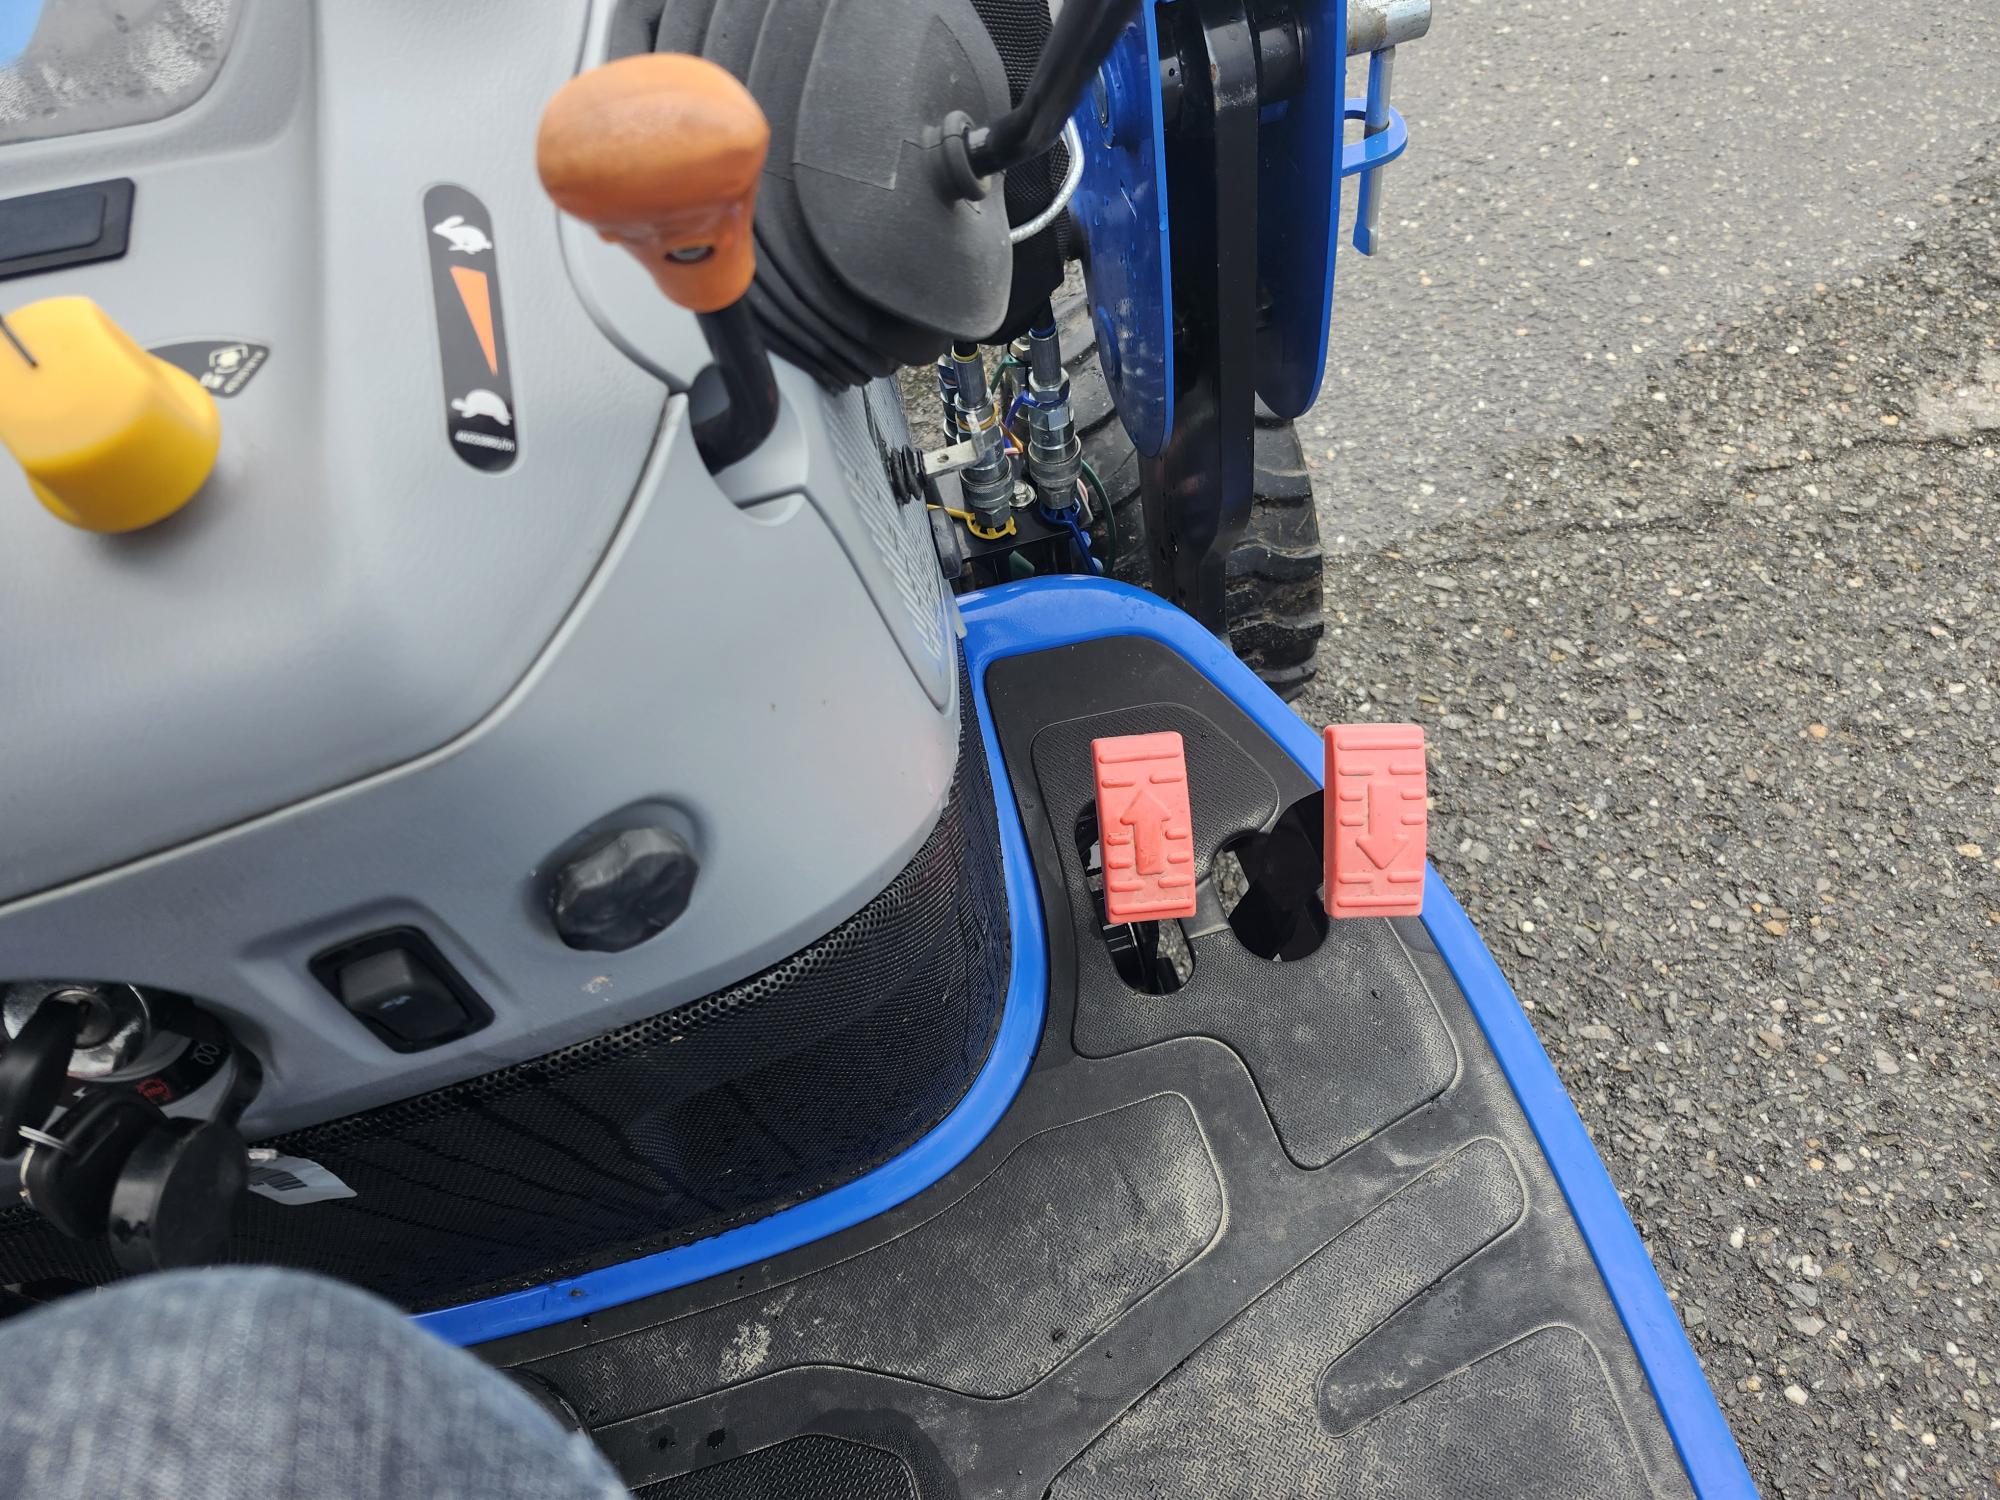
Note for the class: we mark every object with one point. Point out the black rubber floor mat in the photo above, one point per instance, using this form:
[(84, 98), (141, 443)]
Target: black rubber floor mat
[(1241, 1414), (1281, 1232), (1134, 1192), (1537, 1419)]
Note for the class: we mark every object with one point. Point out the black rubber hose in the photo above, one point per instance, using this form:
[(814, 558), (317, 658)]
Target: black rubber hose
[(1078, 45)]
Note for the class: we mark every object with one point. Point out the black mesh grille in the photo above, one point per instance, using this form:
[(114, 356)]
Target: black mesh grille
[(806, 1468), (666, 1130)]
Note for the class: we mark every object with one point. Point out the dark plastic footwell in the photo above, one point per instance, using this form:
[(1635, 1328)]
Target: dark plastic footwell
[(1281, 1232)]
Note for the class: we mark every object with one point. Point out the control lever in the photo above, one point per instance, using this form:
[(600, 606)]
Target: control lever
[(660, 153), (34, 1069)]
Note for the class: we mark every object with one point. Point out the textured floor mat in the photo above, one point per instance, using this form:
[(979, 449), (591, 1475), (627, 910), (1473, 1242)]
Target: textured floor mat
[(1281, 1232), (821, 1467), (1240, 1417), (1068, 1232)]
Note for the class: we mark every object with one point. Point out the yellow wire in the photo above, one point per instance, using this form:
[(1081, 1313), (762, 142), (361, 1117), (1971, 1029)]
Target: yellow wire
[(972, 523)]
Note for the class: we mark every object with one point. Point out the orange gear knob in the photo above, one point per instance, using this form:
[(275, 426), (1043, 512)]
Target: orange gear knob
[(661, 153)]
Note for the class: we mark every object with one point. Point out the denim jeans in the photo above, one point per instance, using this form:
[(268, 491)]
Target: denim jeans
[(266, 1385)]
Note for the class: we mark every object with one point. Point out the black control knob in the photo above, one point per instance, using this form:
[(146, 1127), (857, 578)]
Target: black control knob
[(173, 1201), (69, 1178), (623, 888)]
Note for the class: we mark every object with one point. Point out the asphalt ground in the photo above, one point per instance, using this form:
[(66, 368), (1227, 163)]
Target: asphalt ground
[(1659, 462)]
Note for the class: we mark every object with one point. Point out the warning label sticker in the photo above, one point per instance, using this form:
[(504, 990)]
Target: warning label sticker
[(222, 366), (479, 417), (294, 1181)]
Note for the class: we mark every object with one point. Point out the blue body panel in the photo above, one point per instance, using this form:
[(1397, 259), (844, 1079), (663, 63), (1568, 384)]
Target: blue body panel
[(1120, 206), (1035, 616), (1299, 169), (1122, 211)]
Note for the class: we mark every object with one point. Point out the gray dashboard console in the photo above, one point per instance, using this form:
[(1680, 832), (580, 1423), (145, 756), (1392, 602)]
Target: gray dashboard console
[(362, 683)]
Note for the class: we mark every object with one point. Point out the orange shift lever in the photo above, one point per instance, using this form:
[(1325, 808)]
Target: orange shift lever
[(660, 153)]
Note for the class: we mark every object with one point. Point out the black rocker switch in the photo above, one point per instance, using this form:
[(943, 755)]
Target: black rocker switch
[(399, 986)]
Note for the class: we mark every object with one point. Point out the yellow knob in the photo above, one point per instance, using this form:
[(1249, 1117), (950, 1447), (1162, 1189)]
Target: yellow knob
[(112, 438)]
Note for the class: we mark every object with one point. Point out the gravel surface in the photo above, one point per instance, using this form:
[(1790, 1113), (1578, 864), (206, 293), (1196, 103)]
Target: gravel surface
[(1712, 690), (1592, 186)]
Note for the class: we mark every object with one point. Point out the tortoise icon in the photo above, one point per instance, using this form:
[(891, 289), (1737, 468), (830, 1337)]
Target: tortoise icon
[(483, 403)]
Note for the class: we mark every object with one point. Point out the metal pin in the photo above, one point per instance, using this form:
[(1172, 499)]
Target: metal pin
[(1368, 213), (19, 347)]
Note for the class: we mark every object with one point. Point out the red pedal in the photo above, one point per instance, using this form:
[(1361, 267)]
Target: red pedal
[(1375, 820), (1144, 826)]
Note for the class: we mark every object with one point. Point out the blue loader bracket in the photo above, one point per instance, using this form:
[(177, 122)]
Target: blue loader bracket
[(1121, 205), (1304, 158)]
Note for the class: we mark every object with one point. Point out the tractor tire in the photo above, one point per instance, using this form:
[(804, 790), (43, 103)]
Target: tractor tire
[(1272, 606)]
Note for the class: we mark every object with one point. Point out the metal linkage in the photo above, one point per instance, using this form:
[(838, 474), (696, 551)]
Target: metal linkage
[(1375, 28), (1383, 25)]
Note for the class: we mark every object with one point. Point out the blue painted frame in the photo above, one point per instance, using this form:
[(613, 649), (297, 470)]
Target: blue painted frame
[(1301, 171), (18, 19), (1037, 615), (1120, 207)]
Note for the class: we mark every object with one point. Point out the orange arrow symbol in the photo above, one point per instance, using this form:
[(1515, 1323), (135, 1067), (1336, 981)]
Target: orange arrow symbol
[(1147, 816), (1384, 839)]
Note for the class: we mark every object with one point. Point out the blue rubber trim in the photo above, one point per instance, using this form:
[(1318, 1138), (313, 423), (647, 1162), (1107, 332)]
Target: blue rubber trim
[(1040, 614), (895, 1181)]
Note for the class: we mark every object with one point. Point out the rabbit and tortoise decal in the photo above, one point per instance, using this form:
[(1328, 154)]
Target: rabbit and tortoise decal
[(472, 334)]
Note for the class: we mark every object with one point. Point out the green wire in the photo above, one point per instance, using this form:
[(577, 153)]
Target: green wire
[(993, 380), (1004, 396), (1104, 509)]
